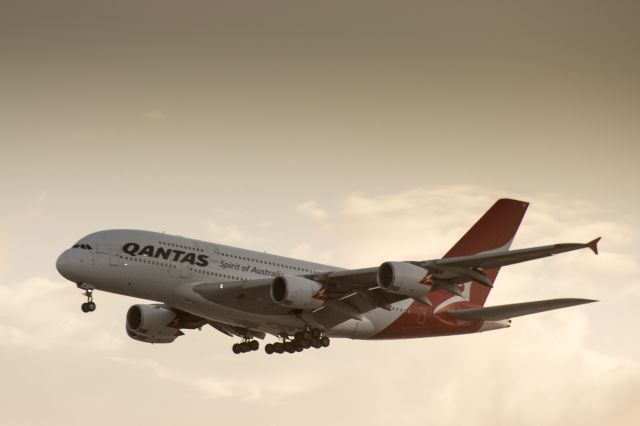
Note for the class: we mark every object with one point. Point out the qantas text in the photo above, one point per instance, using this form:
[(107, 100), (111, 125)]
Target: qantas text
[(174, 255)]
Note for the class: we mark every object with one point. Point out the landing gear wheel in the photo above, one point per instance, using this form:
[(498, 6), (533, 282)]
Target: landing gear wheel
[(325, 341), (236, 348), (89, 305), (254, 345), (316, 343), (268, 348), (316, 334), (278, 348), (289, 348)]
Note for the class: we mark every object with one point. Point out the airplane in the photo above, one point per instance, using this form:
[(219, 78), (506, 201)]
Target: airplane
[(249, 294)]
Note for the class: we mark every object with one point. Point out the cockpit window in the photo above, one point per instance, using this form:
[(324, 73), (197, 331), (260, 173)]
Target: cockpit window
[(82, 246)]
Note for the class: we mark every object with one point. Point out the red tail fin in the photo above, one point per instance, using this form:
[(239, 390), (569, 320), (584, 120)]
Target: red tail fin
[(494, 231)]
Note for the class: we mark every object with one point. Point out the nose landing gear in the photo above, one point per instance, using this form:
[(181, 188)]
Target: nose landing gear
[(89, 305)]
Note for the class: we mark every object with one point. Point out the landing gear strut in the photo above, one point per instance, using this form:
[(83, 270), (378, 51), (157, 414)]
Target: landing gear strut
[(247, 345), (301, 340), (89, 305)]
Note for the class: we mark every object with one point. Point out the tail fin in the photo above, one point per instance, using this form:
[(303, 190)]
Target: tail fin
[(494, 231)]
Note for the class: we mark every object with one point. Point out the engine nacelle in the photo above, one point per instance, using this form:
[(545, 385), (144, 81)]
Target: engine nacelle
[(150, 323), (402, 278), (296, 292)]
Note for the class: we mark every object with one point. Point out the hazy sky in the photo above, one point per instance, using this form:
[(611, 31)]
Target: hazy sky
[(350, 133)]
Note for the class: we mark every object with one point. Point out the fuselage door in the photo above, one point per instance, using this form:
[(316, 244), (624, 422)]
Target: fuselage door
[(185, 271), (108, 255), (114, 257)]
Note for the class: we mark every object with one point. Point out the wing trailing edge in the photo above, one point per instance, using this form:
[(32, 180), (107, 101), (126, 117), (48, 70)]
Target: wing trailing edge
[(502, 312)]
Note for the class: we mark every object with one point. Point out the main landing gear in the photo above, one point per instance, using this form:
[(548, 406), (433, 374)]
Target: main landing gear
[(89, 305), (310, 338), (246, 346)]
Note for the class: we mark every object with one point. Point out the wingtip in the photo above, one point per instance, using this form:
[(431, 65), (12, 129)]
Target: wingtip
[(575, 302), (581, 301), (593, 245)]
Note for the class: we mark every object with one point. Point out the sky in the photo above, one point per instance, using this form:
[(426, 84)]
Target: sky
[(349, 133)]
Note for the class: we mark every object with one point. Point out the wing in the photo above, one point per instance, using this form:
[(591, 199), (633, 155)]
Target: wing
[(351, 293), (470, 268), (361, 284), (494, 259)]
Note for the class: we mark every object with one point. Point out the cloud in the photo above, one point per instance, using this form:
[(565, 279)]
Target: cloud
[(311, 211), (37, 314), (422, 223), (301, 251), (417, 198), (425, 222), (35, 209), (224, 231), (265, 224), (573, 366)]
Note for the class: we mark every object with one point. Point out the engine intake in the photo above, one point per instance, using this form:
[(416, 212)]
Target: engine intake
[(402, 278), (150, 323), (296, 292)]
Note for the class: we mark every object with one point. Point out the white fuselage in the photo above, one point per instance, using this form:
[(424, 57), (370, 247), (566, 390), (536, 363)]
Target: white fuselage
[(163, 268)]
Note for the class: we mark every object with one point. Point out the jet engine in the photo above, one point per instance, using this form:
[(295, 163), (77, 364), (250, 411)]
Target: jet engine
[(402, 278), (296, 292), (151, 324)]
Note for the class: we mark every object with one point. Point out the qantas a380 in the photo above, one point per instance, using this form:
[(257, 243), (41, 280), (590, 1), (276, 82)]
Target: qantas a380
[(250, 294)]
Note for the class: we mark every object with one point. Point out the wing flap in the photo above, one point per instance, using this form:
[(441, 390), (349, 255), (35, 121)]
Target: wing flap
[(502, 312)]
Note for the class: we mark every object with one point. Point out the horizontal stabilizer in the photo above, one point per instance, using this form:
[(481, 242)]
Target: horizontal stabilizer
[(501, 312)]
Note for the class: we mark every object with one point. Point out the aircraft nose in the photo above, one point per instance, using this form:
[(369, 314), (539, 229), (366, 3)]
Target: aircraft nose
[(63, 265)]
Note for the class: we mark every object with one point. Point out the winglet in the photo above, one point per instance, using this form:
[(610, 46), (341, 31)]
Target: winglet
[(593, 245)]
